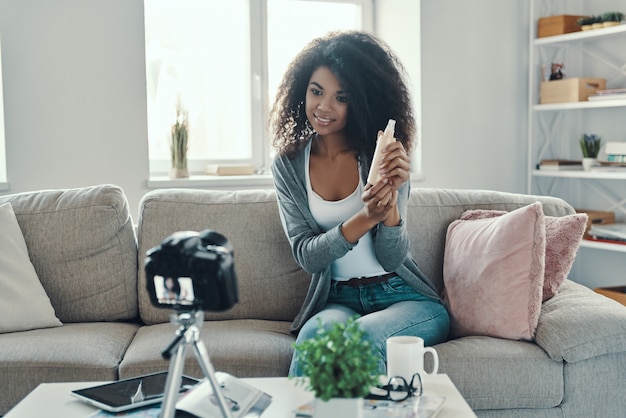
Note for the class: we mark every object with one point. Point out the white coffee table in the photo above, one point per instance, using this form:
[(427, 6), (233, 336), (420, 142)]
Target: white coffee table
[(53, 399)]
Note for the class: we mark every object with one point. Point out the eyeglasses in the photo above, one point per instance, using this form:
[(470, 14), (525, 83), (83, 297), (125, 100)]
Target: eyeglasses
[(397, 389)]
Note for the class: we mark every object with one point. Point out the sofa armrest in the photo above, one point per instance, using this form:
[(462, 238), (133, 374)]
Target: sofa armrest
[(577, 324)]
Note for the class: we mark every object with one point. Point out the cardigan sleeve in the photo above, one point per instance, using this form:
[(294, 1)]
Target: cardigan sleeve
[(312, 249)]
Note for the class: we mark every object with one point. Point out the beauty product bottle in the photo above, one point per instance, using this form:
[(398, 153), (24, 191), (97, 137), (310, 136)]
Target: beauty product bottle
[(386, 138)]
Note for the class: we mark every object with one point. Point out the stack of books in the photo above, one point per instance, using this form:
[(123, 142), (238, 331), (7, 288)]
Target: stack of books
[(560, 164), (609, 94), (613, 233)]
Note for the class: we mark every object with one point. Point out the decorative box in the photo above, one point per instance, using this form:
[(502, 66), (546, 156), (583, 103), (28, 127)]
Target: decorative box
[(557, 25), (597, 217), (569, 89)]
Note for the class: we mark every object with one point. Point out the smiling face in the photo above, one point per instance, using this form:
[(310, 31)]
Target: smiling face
[(326, 103)]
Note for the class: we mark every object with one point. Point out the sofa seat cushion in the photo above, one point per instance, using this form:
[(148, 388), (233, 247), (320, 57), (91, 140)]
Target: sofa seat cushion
[(72, 352), (83, 247), (493, 373), (243, 348)]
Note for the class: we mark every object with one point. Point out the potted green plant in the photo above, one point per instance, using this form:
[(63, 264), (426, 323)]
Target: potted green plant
[(586, 22), (612, 18), (340, 366), (179, 143), (590, 145)]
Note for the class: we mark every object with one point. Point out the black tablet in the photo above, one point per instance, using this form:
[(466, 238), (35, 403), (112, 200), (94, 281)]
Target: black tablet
[(130, 393)]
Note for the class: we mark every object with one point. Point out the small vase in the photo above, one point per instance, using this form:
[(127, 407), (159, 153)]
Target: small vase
[(588, 163), (179, 173), (339, 407)]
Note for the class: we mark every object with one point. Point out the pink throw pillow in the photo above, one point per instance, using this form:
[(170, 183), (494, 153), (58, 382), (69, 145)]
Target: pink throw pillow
[(493, 274), (563, 235)]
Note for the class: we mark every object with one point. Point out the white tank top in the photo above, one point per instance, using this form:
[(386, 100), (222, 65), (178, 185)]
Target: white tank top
[(361, 260)]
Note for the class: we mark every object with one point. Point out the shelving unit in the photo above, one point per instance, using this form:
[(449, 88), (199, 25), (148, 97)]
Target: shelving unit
[(554, 129)]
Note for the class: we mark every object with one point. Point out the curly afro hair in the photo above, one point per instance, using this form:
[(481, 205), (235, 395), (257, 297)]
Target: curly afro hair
[(366, 67)]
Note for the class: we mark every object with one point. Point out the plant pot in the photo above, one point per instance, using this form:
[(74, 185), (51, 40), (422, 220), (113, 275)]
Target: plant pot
[(597, 26), (589, 162), (586, 27), (339, 407), (609, 24), (179, 173)]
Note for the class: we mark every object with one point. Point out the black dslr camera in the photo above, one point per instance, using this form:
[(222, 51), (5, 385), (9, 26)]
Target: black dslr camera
[(192, 271)]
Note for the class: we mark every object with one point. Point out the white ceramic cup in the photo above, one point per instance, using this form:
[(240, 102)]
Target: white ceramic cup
[(405, 357)]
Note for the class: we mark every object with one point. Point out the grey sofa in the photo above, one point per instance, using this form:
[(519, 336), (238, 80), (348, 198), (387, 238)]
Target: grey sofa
[(88, 253)]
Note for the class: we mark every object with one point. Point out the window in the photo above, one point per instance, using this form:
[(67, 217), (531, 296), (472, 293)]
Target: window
[(222, 62)]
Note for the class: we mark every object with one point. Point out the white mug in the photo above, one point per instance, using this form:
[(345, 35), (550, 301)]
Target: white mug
[(405, 357)]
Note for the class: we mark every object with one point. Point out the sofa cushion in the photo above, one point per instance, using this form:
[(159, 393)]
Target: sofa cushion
[(83, 247), (431, 211), (493, 273), (563, 235), (24, 305), (243, 348), (271, 285), (493, 373), (71, 353)]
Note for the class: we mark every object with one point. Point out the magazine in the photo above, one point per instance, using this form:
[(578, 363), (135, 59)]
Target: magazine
[(243, 399), (418, 407)]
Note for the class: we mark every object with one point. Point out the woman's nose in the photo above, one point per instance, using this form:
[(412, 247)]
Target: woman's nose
[(324, 104)]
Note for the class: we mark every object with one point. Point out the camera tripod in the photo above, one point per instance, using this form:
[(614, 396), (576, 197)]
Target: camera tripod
[(188, 332)]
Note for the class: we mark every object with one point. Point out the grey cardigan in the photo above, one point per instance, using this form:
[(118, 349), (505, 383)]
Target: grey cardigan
[(315, 250)]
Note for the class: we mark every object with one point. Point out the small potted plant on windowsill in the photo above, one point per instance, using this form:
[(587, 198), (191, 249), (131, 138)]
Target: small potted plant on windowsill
[(340, 366), (179, 144), (590, 145)]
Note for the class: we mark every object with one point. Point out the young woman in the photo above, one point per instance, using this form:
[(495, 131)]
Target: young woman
[(335, 98)]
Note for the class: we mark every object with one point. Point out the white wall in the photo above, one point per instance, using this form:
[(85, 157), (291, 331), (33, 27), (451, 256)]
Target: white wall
[(474, 86), (74, 90), (74, 94)]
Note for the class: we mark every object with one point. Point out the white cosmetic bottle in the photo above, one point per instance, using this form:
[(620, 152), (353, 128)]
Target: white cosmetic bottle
[(386, 138)]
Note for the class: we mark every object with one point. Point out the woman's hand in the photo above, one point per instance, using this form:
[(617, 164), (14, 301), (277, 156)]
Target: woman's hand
[(381, 202), (395, 165)]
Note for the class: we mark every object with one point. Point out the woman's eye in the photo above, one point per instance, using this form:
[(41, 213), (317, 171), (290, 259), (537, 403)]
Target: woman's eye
[(316, 92), (342, 99)]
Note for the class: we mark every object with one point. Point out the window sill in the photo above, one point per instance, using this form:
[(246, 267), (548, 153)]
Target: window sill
[(256, 181)]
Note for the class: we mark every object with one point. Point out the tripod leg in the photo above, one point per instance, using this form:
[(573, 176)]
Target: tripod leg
[(207, 368), (174, 380)]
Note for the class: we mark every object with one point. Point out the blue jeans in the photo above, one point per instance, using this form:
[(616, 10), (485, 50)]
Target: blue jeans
[(384, 310)]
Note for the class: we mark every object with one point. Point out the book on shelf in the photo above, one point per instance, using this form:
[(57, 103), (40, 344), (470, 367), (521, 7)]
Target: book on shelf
[(608, 94), (616, 158), (229, 169), (415, 407), (609, 231), (606, 240), (560, 164), (610, 168)]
